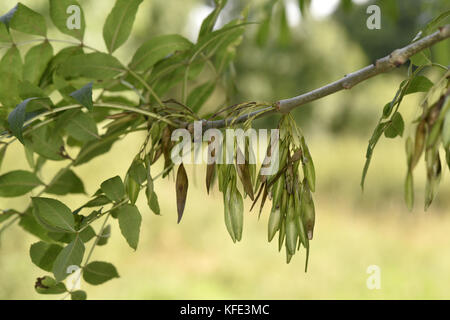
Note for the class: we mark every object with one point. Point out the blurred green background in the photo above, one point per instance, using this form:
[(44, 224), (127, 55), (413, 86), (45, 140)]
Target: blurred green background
[(197, 259)]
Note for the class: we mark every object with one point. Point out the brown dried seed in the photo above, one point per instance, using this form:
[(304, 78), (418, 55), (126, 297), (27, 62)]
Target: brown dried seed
[(182, 184), (244, 174)]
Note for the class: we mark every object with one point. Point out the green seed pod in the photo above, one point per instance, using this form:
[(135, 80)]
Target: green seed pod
[(409, 148), (132, 188), (308, 166), (284, 202), (288, 256), (277, 190), (274, 222), (307, 211), (409, 190), (419, 143), (227, 214), (237, 213), (291, 228), (284, 153), (282, 233), (434, 134)]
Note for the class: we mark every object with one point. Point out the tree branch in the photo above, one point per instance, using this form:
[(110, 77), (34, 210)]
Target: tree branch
[(383, 65)]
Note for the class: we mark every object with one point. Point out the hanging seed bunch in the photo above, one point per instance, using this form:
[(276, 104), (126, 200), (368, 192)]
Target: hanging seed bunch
[(292, 214), (432, 132)]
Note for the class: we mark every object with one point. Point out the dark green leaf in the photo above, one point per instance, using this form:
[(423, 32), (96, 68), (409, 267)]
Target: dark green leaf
[(60, 17), (87, 234), (68, 182), (46, 143), (95, 148), (4, 33), (104, 237), (114, 189), (119, 23), (44, 254), (36, 61), (419, 84), (82, 127), (16, 119), (130, 223), (29, 224), (99, 272), (210, 21), (84, 96), (70, 256), (12, 62), (28, 21), (156, 49), (53, 215), (396, 126), (18, 183), (99, 66)]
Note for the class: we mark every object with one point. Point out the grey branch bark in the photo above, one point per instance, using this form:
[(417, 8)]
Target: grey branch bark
[(383, 65)]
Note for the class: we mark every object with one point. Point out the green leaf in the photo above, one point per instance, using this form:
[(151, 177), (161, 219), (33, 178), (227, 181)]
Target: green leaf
[(4, 34), (53, 215), (104, 237), (44, 254), (95, 148), (12, 62), (28, 223), (285, 31), (396, 126), (137, 172), (421, 58), (67, 182), (84, 96), (16, 119), (28, 21), (71, 255), (419, 84), (129, 223), (60, 17), (156, 49), (36, 61), (114, 189), (87, 234), (379, 129), (82, 127), (436, 22), (97, 65), (18, 183), (9, 93), (210, 21), (99, 272), (79, 294), (119, 23), (48, 285), (200, 95), (2, 154)]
